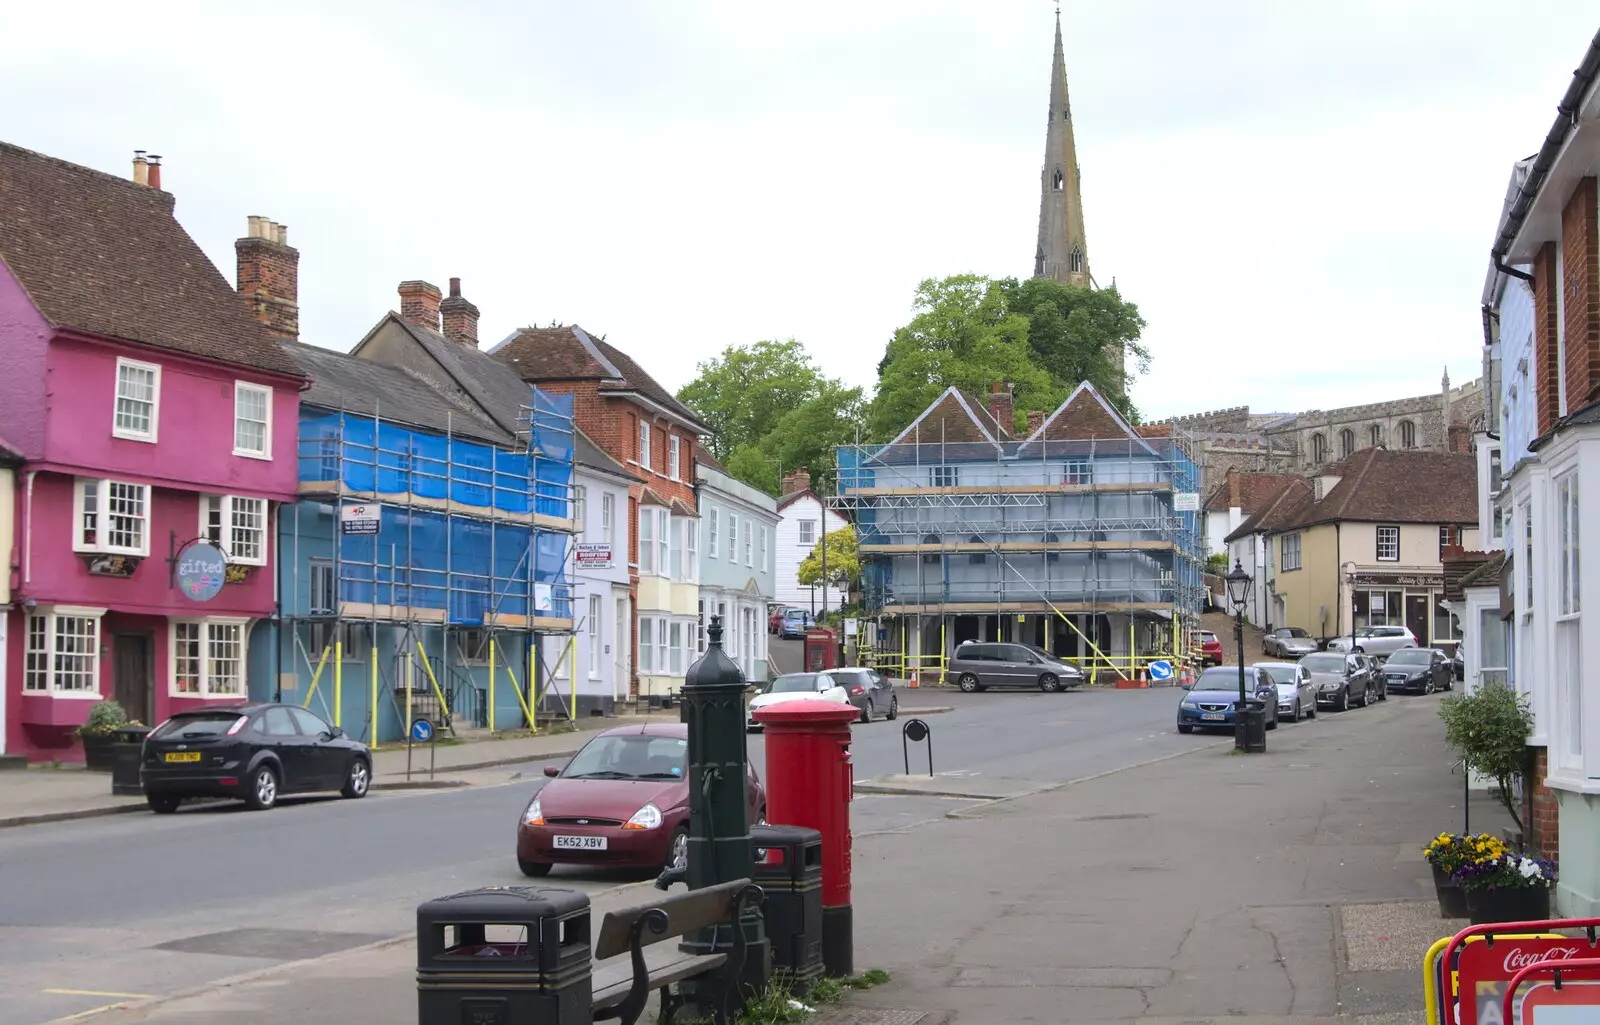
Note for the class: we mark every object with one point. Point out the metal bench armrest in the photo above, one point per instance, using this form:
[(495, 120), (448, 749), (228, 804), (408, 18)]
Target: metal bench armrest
[(751, 896), (633, 1004)]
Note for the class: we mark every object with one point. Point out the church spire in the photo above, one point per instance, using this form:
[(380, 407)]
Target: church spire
[(1063, 252)]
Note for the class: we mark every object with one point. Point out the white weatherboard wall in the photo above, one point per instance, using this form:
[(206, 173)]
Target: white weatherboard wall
[(790, 553), (592, 662)]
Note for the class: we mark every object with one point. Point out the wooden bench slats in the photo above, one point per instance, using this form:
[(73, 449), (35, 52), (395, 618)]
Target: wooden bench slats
[(612, 982), (696, 909)]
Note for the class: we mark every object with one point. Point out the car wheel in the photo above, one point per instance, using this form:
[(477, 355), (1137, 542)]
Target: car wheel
[(894, 708), (1359, 651), (358, 781), (163, 804), (678, 849), (1294, 713), (1383, 692), (263, 791), (1344, 701), (1049, 683), (1185, 728), (535, 869), (968, 683), (866, 712)]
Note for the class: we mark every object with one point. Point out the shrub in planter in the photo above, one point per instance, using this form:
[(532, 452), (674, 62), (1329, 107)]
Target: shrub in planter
[(1448, 853), (98, 733), (1489, 728), (1509, 888)]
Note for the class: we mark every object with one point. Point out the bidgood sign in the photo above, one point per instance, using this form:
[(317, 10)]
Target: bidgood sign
[(360, 519), (201, 570), (1484, 969), (594, 555)]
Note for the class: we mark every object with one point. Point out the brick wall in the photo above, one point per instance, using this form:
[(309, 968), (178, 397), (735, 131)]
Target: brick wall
[(269, 279), (1580, 251), (1540, 811), (1545, 360)]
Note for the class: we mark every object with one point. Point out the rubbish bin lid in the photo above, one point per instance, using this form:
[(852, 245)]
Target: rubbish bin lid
[(506, 904)]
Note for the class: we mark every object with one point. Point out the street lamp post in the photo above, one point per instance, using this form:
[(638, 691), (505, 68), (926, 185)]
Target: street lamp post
[(1350, 576), (1239, 597)]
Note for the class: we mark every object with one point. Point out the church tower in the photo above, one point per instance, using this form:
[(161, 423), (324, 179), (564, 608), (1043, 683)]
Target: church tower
[(1063, 252)]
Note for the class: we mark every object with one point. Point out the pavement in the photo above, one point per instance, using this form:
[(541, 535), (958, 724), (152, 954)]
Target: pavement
[(1090, 866)]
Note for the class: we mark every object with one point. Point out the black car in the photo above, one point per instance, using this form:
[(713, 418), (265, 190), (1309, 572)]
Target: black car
[(1424, 670), (255, 752)]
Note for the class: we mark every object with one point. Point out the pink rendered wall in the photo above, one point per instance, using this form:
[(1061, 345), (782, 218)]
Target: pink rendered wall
[(194, 422), (24, 340)]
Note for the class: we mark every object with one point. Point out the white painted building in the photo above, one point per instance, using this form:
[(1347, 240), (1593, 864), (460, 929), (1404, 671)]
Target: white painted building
[(738, 526), (799, 529)]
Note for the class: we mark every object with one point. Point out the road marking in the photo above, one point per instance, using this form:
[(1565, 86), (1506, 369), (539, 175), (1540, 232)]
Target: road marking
[(99, 993), (91, 1012)]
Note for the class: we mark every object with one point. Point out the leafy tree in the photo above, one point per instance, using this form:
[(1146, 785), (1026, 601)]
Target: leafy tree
[(1074, 332), (1489, 728), (844, 561)]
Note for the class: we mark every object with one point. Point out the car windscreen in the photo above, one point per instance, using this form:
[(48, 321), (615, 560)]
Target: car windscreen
[(1294, 631), (1410, 657), (1281, 674), (1224, 678), (196, 725), (1324, 663), (630, 756), (799, 683)]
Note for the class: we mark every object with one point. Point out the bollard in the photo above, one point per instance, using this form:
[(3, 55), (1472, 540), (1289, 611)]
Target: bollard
[(809, 781)]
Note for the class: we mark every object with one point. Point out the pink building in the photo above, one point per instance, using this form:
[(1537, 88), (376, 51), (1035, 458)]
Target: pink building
[(150, 407)]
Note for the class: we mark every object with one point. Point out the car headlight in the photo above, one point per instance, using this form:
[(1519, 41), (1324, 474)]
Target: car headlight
[(1190, 703), (534, 816), (648, 817)]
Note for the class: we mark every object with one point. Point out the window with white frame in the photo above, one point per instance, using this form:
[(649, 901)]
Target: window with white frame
[(208, 658), (647, 540), (323, 599), (647, 647), (138, 407), (593, 630), (663, 660), (1567, 516), (1527, 558), (663, 541), (112, 517), (472, 645), (711, 534), (808, 532), (1449, 537), (238, 525), (62, 653), (608, 512), (691, 549), (733, 539), (644, 444), (1388, 544), (678, 571), (1077, 471), (1569, 636), (763, 546), (1289, 551), (944, 476), (252, 420), (675, 648), (700, 627), (749, 543), (580, 506), (673, 469)]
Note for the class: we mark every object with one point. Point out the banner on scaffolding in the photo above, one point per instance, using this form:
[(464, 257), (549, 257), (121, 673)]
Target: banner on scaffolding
[(360, 519), (594, 555), (544, 600), (1186, 501)]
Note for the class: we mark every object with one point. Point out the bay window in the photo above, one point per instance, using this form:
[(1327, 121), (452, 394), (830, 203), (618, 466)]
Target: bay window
[(208, 658), (691, 549), (663, 541), (647, 540), (111, 517), (62, 652), (675, 647), (647, 650), (238, 525), (1569, 636)]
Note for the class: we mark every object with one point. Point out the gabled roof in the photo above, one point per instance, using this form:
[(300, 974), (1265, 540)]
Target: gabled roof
[(105, 255), (1395, 486), (1085, 414), (568, 353), (1485, 574), (495, 387), (1247, 492), (344, 382), (1282, 504), (952, 417)]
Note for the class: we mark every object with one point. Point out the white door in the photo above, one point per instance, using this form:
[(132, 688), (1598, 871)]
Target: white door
[(621, 645)]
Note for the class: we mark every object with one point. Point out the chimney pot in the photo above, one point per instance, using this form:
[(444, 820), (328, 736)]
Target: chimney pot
[(796, 482), (460, 317), (419, 304), (455, 286), (141, 168), (154, 169), (1002, 406), (269, 276)]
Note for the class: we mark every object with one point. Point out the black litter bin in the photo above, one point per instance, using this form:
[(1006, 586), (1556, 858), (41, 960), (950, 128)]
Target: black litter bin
[(504, 955), (127, 751), (1255, 729), (790, 873)]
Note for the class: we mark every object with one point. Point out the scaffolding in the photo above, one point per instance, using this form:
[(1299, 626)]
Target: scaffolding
[(445, 557), (1078, 546)]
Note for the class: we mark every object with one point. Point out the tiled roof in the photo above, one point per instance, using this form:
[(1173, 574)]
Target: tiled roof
[(104, 255), (569, 352), (1246, 491), (1485, 574), (1396, 486), (703, 457), (1283, 503), (1470, 569), (953, 418), (587, 453), (491, 383), (356, 385)]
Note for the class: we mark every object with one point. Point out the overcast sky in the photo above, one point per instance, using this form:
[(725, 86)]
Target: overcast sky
[(1300, 197)]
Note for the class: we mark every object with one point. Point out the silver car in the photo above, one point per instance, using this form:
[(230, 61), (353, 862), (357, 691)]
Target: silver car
[(1288, 642), (1381, 641), (979, 665), (868, 691), (1297, 695)]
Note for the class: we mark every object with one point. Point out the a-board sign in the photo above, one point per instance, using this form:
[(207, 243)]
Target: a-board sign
[(360, 519), (1484, 969), (1186, 501), (1577, 1002), (594, 554)]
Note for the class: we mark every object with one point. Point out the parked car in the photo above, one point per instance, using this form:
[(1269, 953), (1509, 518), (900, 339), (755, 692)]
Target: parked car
[(1297, 695), (1458, 665), (1424, 670), (775, 611), (1212, 699), (868, 691), (622, 801), (794, 623), (1210, 647), (793, 686), (979, 665), (1377, 640), (1343, 680), (256, 753), (1288, 642)]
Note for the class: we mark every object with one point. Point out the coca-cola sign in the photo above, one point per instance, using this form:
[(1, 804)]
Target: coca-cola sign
[(1485, 967), (1518, 958)]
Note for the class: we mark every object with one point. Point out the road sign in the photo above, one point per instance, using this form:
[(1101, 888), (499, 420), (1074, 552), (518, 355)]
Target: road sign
[(360, 519), (422, 731), (1160, 670)]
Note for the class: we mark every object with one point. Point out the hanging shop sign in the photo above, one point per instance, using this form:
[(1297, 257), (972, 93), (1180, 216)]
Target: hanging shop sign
[(594, 555), (1186, 501), (199, 569), (360, 519)]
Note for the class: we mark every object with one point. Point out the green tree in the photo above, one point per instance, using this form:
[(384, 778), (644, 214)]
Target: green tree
[(844, 561), (1074, 332), (1489, 728)]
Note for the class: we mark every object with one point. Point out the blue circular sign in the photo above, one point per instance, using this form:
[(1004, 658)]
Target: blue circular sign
[(1161, 670), (422, 731), (202, 569)]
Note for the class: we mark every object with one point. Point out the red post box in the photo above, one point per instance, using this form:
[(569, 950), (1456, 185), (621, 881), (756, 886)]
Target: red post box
[(809, 783), (821, 652)]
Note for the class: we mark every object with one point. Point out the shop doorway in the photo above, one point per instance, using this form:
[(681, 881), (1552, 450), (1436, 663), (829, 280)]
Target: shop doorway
[(133, 674), (1417, 617)]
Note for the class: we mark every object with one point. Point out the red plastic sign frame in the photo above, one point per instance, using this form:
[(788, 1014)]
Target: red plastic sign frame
[(1581, 992), (1447, 1008)]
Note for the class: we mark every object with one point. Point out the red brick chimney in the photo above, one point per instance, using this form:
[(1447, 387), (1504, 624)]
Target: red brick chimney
[(419, 304), (799, 480), (1233, 488), (1002, 406), (155, 171), (1035, 421), (460, 317), (269, 276), (1459, 438)]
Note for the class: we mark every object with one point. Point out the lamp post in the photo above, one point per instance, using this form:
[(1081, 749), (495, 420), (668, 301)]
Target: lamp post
[(1350, 576), (1239, 597)]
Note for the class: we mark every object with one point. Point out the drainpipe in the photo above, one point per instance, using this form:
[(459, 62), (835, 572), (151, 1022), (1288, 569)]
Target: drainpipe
[(1338, 574)]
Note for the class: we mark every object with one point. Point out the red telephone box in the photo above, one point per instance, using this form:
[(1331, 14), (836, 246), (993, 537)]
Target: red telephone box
[(809, 783), (822, 650)]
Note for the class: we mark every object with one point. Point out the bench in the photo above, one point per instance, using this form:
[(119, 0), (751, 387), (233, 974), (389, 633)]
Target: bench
[(622, 989)]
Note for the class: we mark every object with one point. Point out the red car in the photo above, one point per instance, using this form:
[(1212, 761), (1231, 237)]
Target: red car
[(1210, 648), (622, 802)]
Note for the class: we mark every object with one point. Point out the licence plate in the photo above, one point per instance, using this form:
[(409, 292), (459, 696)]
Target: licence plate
[(181, 756), (578, 843), (1213, 716)]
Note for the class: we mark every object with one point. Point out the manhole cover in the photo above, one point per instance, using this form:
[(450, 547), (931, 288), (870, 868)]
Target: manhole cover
[(269, 944), (869, 1016)]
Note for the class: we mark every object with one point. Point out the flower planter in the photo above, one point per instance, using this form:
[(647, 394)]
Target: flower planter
[(1522, 904), (1452, 898), (97, 751)]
